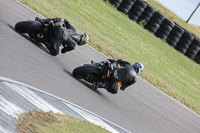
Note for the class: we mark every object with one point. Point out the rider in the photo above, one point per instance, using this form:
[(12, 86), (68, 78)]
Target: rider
[(60, 33), (126, 74)]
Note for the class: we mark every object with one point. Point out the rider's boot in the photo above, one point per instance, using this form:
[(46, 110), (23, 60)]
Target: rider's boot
[(102, 85), (98, 64)]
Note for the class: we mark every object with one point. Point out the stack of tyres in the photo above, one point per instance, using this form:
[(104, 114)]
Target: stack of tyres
[(116, 3), (155, 22), (125, 6), (165, 29), (193, 49), (175, 35), (184, 42), (146, 14), (137, 9), (197, 58)]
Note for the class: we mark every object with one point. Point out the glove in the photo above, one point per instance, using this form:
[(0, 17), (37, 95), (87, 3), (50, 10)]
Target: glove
[(64, 50), (51, 23), (66, 21)]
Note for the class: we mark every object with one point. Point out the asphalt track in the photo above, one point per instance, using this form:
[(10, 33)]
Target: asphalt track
[(139, 109)]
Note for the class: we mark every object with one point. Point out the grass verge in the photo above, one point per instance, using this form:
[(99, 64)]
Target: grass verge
[(115, 35), (49, 122)]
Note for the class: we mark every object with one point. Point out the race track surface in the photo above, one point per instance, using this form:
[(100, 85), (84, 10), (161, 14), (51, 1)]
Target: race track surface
[(139, 109)]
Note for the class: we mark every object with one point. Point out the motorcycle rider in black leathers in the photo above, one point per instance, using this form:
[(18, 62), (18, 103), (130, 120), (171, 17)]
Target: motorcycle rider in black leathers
[(59, 33), (126, 74)]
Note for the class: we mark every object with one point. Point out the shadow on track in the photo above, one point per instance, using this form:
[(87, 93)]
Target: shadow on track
[(31, 40), (88, 85)]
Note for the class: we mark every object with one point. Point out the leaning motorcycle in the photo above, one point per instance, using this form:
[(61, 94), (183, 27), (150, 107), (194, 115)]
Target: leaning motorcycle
[(38, 31), (96, 73)]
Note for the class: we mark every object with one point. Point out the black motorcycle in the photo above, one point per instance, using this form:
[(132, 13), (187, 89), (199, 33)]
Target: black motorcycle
[(37, 30), (97, 73)]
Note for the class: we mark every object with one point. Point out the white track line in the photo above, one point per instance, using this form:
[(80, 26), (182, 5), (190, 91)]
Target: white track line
[(33, 98)]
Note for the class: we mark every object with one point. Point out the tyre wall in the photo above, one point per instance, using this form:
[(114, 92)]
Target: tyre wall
[(177, 37)]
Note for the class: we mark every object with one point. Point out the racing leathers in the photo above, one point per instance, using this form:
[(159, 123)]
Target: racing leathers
[(125, 74), (59, 34)]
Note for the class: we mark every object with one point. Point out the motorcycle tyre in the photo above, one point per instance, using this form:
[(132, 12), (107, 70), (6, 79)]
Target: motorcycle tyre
[(28, 27), (82, 71)]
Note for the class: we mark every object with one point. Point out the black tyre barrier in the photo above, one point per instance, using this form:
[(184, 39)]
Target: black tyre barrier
[(122, 9), (156, 23), (151, 28), (198, 61), (161, 35), (172, 43), (176, 33), (125, 6), (174, 38), (166, 27), (116, 3), (168, 22), (195, 45), (181, 49), (158, 15), (183, 44), (178, 29), (132, 16), (157, 20), (150, 9), (129, 2), (187, 35), (164, 30), (193, 49), (191, 53), (197, 57), (186, 40), (136, 10), (141, 3), (146, 15)]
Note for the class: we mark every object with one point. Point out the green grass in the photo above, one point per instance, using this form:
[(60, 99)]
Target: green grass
[(115, 35), (49, 122)]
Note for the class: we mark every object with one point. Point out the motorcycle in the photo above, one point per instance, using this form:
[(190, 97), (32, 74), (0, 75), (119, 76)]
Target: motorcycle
[(97, 73), (37, 30)]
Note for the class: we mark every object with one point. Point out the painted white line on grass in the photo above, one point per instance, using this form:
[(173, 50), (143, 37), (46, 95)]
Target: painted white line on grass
[(33, 98), (93, 119), (10, 108)]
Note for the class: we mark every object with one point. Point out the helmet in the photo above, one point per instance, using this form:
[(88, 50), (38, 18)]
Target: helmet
[(138, 66), (84, 38)]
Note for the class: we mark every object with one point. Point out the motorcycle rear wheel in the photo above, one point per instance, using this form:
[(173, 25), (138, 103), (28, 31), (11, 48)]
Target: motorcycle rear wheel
[(90, 72), (28, 27)]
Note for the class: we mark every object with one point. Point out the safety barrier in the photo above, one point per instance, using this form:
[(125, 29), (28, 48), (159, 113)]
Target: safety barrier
[(176, 36)]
